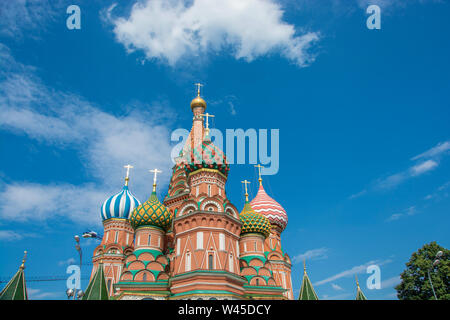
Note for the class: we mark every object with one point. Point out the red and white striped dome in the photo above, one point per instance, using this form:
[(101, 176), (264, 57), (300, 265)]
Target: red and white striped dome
[(267, 206)]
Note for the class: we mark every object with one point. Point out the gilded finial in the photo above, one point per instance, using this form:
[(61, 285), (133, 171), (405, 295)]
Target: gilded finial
[(198, 88), (356, 278), (22, 266), (207, 116), (259, 173), (245, 182), (127, 178), (155, 171), (304, 266)]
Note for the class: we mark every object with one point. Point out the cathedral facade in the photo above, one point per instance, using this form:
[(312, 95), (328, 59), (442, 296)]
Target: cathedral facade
[(195, 244)]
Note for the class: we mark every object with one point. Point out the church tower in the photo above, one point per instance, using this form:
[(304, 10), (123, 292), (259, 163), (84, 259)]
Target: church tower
[(206, 224), (281, 263), (118, 234)]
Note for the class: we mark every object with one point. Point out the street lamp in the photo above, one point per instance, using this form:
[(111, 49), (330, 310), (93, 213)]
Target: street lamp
[(435, 263)]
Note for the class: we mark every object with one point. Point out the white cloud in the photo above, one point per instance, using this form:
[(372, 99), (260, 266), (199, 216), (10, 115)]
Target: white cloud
[(439, 149), (336, 287), (104, 142), (26, 16), (408, 212), (391, 282), (67, 262), (423, 167), (173, 30), (9, 235), (350, 272), (38, 294), (314, 254)]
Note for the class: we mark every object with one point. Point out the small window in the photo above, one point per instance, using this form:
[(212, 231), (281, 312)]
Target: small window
[(149, 239), (109, 285), (211, 261), (117, 237), (209, 190), (144, 277), (257, 282), (210, 209)]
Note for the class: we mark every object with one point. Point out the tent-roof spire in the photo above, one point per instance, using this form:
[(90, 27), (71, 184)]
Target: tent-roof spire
[(16, 288), (307, 291)]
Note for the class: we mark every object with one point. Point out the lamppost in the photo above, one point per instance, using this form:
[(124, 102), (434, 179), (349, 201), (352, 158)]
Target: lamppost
[(435, 263), (76, 293)]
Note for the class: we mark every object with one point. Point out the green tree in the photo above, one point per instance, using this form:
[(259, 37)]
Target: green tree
[(415, 284)]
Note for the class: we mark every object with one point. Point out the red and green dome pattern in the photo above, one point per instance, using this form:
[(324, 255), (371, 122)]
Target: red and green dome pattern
[(151, 213), (207, 156), (253, 222)]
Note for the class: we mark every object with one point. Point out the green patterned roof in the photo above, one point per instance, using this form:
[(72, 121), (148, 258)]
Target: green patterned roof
[(253, 222), (16, 288), (307, 291), (151, 213), (97, 288)]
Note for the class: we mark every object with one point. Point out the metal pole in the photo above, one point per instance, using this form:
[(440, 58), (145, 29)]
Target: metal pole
[(432, 288)]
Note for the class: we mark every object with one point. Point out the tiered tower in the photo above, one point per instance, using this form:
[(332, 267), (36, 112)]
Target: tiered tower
[(281, 263), (118, 235), (206, 225), (146, 271)]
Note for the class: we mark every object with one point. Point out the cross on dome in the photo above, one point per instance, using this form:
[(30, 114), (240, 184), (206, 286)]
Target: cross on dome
[(155, 172), (127, 178), (198, 85), (259, 172), (245, 182)]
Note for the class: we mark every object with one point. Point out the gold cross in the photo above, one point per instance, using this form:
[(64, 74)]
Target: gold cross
[(245, 182), (127, 178), (155, 171), (207, 116), (259, 172), (198, 88)]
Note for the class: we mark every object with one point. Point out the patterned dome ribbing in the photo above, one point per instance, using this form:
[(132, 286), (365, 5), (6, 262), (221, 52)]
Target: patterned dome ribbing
[(119, 205), (267, 206), (151, 213), (254, 222)]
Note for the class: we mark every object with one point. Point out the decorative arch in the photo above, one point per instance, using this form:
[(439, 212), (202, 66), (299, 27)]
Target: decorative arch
[(210, 202)]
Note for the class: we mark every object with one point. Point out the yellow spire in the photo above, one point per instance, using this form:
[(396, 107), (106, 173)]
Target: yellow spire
[(259, 173), (127, 178), (356, 278), (22, 266), (245, 182), (304, 266), (155, 171)]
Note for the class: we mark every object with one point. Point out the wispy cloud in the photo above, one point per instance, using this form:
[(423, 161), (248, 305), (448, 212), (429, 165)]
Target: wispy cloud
[(391, 282), (336, 287), (408, 212), (104, 143), (10, 235), (38, 294), (67, 262), (314, 254), (352, 271), (172, 30)]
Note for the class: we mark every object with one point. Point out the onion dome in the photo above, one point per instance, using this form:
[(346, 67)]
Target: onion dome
[(254, 222), (151, 213), (198, 102), (119, 205), (207, 156), (267, 206)]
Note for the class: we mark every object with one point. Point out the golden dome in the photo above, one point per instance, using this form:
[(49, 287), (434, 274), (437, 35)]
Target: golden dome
[(198, 102)]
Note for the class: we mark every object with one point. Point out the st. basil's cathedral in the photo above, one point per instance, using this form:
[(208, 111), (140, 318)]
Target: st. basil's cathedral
[(195, 244)]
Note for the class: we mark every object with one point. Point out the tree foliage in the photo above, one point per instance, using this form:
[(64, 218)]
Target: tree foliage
[(415, 284)]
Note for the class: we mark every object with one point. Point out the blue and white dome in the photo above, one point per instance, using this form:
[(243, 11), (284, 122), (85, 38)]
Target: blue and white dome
[(119, 205)]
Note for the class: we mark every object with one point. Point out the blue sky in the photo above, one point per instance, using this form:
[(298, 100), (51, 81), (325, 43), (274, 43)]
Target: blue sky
[(363, 118)]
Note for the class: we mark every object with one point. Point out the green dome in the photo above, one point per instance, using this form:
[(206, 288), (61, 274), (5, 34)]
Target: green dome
[(253, 222), (151, 213)]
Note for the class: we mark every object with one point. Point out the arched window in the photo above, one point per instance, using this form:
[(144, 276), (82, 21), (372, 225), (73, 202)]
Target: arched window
[(257, 282), (149, 239), (209, 190), (231, 263), (144, 277), (211, 261), (188, 262)]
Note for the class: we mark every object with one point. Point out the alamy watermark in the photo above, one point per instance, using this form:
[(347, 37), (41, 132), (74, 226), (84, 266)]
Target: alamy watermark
[(241, 147)]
